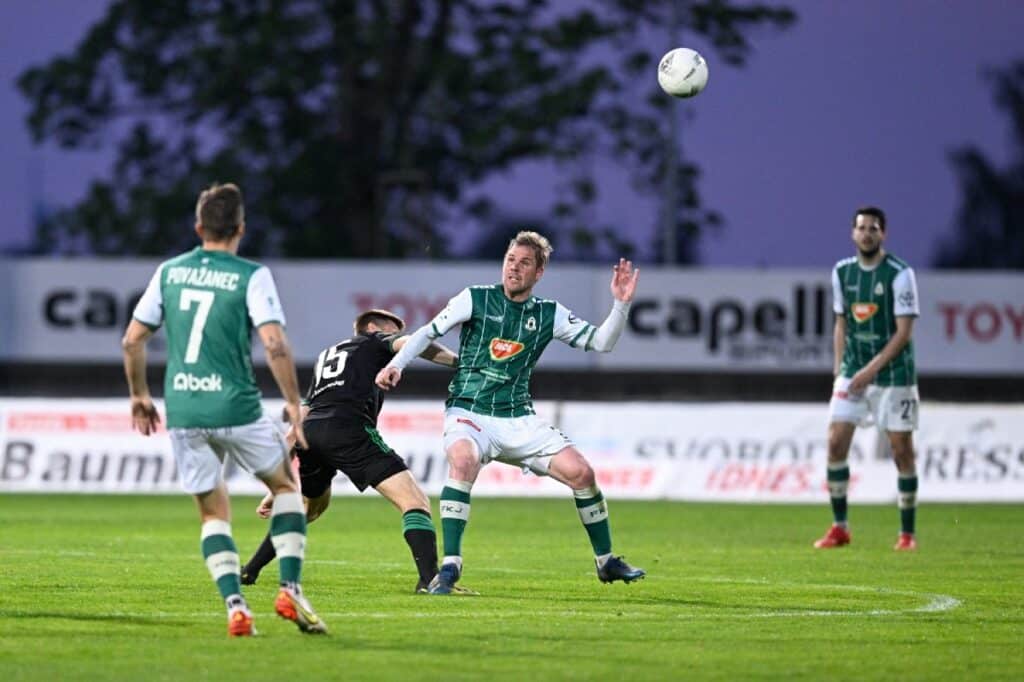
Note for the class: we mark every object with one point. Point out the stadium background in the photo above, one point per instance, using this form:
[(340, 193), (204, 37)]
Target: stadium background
[(703, 332), (713, 403)]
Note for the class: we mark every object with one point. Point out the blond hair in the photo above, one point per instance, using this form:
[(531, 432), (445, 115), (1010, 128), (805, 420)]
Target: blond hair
[(542, 248)]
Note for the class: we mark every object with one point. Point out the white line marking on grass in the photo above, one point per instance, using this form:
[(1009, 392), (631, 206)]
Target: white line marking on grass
[(937, 603)]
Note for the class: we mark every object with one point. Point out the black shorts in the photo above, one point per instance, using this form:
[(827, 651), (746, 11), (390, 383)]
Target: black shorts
[(356, 451)]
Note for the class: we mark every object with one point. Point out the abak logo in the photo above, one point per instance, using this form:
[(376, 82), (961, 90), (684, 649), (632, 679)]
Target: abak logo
[(186, 381)]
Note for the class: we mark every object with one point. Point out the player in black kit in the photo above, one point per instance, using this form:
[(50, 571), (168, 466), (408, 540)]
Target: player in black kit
[(340, 422)]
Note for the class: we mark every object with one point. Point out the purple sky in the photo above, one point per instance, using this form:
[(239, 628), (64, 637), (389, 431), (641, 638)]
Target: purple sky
[(860, 102)]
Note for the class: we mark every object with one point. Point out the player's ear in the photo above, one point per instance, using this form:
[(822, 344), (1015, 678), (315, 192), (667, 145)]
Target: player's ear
[(199, 231)]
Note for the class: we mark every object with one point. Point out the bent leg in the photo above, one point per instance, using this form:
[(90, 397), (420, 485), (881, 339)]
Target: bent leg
[(402, 491), (568, 466), (463, 468)]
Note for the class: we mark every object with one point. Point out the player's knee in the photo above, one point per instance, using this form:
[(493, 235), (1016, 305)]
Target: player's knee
[(581, 476), (462, 460)]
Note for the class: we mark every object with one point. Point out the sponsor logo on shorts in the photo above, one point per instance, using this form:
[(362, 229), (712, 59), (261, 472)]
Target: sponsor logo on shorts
[(186, 381), (503, 349), (467, 422), (862, 312)]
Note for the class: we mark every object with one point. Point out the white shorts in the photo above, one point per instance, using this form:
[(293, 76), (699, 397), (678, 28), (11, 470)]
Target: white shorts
[(890, 408), (257, 448), (527, 442)]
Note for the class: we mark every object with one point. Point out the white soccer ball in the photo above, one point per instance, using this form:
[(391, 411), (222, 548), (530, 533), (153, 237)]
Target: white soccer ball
[(682, 72)]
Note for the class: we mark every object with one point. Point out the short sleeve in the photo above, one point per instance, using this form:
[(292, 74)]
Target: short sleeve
[(262, 299), (458, 310), (904, 294), (572, 330), (838, 303), (150, 308)]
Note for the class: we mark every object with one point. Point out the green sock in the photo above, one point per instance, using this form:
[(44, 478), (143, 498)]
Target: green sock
[(221, 557), (838, 482), (454, 514), (907, 486), (288, 533), (593, 512)]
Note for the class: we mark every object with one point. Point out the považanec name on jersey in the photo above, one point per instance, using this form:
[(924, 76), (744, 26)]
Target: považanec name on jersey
[(503, 349), (862, 312)]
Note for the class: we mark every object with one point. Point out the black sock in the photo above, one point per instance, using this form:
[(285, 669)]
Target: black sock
[(263, 556), (422, 540)]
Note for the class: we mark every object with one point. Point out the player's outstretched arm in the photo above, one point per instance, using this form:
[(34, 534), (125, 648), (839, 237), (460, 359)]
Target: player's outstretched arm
[(623, 287), (437, 353), (282, 366), (145, 418)]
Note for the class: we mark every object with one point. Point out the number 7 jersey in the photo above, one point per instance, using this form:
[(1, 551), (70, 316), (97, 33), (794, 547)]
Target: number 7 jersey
[(209, 302)]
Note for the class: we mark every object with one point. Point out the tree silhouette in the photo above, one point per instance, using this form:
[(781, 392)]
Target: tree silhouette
[(355, 127), (990, 219)]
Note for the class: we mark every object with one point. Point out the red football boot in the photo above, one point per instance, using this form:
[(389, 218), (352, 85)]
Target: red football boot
[(906, 543), (837, 536)]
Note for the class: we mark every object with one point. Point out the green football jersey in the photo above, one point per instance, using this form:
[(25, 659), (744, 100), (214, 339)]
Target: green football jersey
[(871, 300), (209, 302), (499, 345)]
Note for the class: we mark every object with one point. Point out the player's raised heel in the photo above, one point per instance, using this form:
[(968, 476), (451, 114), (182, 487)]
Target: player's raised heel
[(837, 536), (617, 569), (293, 606), (240, 623), (444, 581)]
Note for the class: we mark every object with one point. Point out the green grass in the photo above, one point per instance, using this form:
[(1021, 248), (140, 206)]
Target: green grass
[(109, 587)]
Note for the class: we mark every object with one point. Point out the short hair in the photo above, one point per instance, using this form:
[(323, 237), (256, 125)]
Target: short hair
[(221, 211), (539, 243), (376, 316), (871, 211)]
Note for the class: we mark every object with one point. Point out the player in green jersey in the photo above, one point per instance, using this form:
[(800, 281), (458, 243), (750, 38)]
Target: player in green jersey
[(489, 413), (875, 301), (209, 300)]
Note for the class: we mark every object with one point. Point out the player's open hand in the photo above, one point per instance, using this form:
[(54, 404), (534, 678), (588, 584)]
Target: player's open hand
[(266, 506), (145, 418), (624, 279), (389, 377)]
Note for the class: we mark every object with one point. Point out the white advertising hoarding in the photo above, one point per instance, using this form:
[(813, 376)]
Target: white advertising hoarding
[(721, 452), (682, 319)]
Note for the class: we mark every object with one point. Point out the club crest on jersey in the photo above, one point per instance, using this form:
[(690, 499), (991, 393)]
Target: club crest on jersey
[(503, 349), (879, 289), (531, 324), (862, 312)]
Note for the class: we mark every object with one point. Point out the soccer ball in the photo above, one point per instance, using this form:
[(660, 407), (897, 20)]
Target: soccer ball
[(682, 72)]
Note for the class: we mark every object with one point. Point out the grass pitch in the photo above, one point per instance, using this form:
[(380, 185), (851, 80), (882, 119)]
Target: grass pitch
[(111, 587)]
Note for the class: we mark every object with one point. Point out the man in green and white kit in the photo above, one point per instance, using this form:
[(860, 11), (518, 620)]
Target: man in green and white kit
[(875, 301), (209, 300), (490, 414)]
